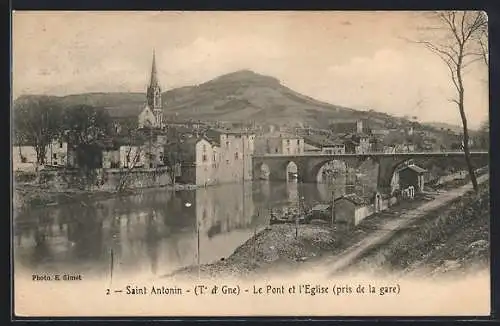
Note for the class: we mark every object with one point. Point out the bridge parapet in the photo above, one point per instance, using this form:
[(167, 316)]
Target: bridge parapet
[(309, 164)]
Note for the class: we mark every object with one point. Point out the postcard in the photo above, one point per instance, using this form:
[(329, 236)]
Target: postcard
[(309, 163)]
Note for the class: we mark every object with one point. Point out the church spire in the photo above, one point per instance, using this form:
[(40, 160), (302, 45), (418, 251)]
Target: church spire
[(154, 89), (154, 77)]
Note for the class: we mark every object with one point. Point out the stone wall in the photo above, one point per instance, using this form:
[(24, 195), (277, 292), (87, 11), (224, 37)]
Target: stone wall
[(363, 212), (106, 179)]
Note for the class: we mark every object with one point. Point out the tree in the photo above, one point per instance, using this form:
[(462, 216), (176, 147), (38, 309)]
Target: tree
[(133, 152), (484, 135), (84, 126), (37, 121), (126, 126), (174, 155), (464, 42), (132, 157)]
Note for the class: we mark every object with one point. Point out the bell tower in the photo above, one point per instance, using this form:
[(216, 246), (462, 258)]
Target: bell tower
[(154, 95)]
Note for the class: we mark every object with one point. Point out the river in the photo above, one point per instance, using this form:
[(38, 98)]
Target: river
[(157, 231)]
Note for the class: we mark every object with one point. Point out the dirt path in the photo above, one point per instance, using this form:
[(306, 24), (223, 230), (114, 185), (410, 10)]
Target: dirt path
[(338, 262)]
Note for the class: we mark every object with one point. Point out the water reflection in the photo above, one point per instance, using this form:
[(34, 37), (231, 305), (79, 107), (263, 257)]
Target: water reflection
[(156, 232)]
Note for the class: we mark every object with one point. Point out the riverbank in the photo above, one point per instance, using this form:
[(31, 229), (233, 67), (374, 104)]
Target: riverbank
[(278, 249), (453, 239), (32, 196)]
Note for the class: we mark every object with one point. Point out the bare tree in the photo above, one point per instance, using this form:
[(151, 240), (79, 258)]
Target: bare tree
[(37, 120), (132, 158), (464, 42), (133, 152), (484, 135)]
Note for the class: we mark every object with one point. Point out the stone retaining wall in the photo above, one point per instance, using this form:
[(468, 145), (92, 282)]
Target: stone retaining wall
[(106, 179)]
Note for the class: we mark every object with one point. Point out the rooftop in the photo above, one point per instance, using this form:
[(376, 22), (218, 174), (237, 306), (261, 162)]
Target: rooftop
[(356, 199), (280, 134), (231, 131), (321, 141)]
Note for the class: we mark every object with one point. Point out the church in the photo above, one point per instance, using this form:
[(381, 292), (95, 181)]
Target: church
[(152, 114)]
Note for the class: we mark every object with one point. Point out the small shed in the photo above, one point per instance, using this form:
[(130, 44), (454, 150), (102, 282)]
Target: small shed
[(352, 209), (412, 175), (321, 212)]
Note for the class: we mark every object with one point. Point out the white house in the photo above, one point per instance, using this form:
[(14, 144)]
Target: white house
[(23, 158), (56, 154), (132, 156)]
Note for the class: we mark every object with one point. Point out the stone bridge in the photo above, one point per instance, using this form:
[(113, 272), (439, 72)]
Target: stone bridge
[(308, 165)]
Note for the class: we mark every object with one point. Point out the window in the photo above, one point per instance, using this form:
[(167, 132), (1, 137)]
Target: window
[(236, 155), (276, 150), (288, 150), (288, 141), (55, 156), (298, 141), (215, 157), (204, 158), (60, 145), (204, 148)]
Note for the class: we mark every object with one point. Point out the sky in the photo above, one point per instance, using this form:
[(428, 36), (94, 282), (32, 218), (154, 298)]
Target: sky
[(361, 60)]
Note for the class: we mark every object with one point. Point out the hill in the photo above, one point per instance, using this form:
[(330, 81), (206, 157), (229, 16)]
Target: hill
[(446, 126), (238, 96)]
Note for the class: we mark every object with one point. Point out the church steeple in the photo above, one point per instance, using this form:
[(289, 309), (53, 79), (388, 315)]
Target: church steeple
[(154, 77), (154, 89), (154, 94)]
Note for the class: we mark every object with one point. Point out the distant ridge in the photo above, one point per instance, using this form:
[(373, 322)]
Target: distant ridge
[(238, 96)]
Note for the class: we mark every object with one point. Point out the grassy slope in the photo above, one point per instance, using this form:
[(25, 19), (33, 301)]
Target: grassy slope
[(454, 238)]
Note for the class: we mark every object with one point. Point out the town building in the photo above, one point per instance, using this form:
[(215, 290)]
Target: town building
[(340, 126), (351, 209), (356, 143), (399, 148), (325, 146), (57, 154), (218, 156), (152, 114), (364, 144), (350, 146), (412, 175), (236, 148), (199, 162), (142, 151), (279, 143)]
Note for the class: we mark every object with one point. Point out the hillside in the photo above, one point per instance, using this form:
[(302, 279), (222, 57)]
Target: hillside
[(239, 96), (446, 126)]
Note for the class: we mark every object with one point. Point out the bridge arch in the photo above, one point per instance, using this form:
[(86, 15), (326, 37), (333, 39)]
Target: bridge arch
[(291, 171), (394, 169), (328, 170), (435, 166), (263, 171)]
